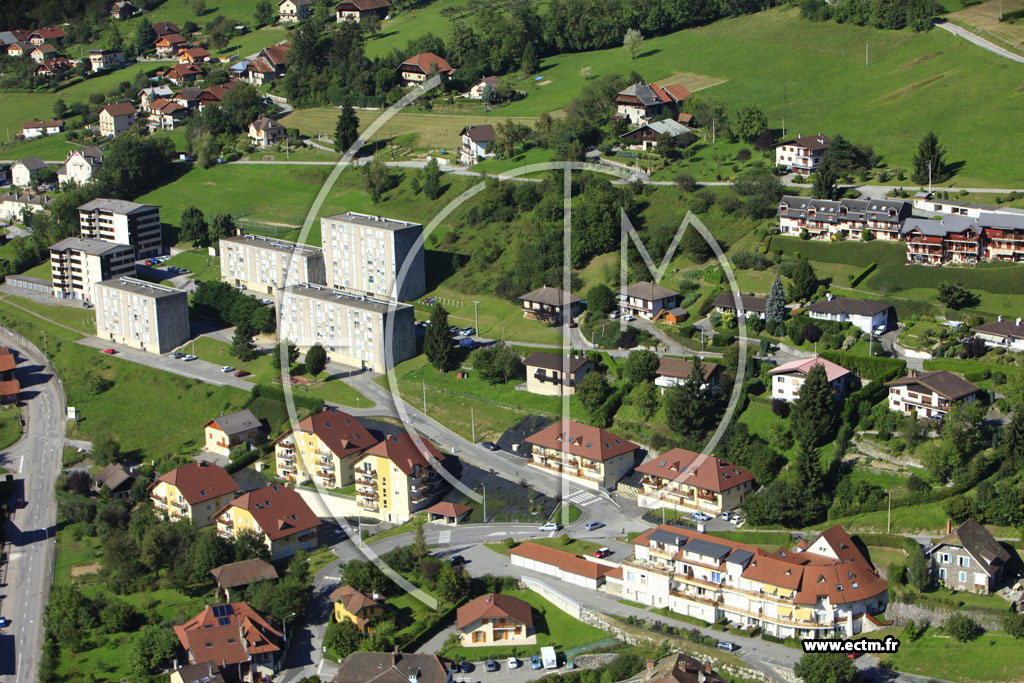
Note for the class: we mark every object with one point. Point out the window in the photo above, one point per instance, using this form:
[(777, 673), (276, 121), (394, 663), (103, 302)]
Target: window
[(942, 573), (964, 561), (962, 577), (944, 558)]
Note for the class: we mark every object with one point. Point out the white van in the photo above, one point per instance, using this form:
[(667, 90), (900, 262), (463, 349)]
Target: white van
[(548, 656)]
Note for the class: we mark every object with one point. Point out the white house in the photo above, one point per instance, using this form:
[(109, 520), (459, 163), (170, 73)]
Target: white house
[(929, 393), (646, 300), (22, 172), (80, 165), (752, 305), (477, 90), (476, 143), (294, 10), (13, 204), (35, 129), (673, 371), (861, 313), (802, 154), (788, 378), (1002, 333)]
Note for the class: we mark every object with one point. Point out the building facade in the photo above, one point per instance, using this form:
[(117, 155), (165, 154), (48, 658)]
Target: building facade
[(690, 482), (962, 239), (789, 378), (418, 68), (365, 254), (881, 219), (396, 478), (294, 10), (929, 394), (642, 102), (263, 264), (866, 315), (1002, 333), (357, 10), (224, 433), (123, 222), (77, 264), (80, 165), (351, 604), (551, 305), (968, 559), (142, 315), (277, 514), (803, 154), (496, 619), (194, 492), (116, 118), (646, 300), (550, 374), (322, 448), (585, 455)]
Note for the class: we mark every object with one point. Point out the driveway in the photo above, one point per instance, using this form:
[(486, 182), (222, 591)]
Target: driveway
[(978, 40)]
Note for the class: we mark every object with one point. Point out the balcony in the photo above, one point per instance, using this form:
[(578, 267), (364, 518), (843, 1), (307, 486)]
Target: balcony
[(367, 493), (179, 506), (367, 505), (286, 457)]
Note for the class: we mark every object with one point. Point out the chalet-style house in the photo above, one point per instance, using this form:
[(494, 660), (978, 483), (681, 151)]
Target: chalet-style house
[(193, 55), (294, 10), (690, 482), (476, 143), (968, 559), (789, 378), (990, 236), (234, 636), (929, 393), (239, 575), (586, 455), (352, 604), (843, 219), (673, 371), (122, 9), (115, 478), (165, 114), (180, 74), (802, 154), (13, 204), (478, 89), (188, 97), (34, 129), (268, 65), (277, 514), (418, 68), (642, 102), (551, 305), (551, 374), (148, 95), (163, 28), (495, 619), (357, 10), (10, 387), (1002, 334), (678, 668), (40, 53), (645, 137), (752, 305), (55, 66), (646, 300), (194, 492), (19, 48), (80, 166), (826, 589), (265, 132), (100, 60), (864, 314), (168, 44), (227, 432), (47, 34)]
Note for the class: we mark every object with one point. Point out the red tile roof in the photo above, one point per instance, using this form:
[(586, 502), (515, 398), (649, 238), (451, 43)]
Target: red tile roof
[(673, 92), (354, 601), (339, 431), (199, 481), (567, 562), (228, 634), (705, 472), (119, 109), (362, 5), (423, 61), (803, 366), (7, 361), (11, 387), (278, 510), (406, 452), (495, 606), (448, 509), (48, 33), (585, 441)]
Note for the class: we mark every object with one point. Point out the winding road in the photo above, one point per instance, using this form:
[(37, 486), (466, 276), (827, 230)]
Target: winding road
[(978, 40)]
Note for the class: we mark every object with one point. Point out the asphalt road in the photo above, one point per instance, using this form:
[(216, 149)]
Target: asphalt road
[(978, 40), (31, 532)]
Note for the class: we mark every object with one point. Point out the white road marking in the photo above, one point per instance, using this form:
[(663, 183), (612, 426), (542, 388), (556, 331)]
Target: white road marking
[(445, 537)]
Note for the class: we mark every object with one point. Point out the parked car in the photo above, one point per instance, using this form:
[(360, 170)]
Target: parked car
[(602, 552), (700, 517), (550, 526), (491, 665), (725, 516), (629, 318), (227, 368), (573, 323), (86, 304), (535, 662), (735, 519), (190, 357), (110, 351), (242, 373), (881, 329), (727, 646), (594, 525), (456, 560), (490, 445), (468, 331), (513, 663), (177, 354), (613, 315), (3, 622), (465, 667)]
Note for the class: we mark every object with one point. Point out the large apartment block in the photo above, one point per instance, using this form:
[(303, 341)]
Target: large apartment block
[(846, 218), (141, 314), (77, 264), (263, 264), (990, 236), (350, 327), (123, 222), (365, 254)]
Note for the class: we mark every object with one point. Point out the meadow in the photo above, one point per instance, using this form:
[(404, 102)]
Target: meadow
[(983, 18)]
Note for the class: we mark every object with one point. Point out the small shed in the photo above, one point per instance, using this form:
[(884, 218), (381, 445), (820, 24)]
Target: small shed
[(241, 574), (448, 513)]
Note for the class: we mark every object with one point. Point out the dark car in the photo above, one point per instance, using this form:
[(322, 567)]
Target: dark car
[(465, 667), (490, 445), (456, 560), (491, 665)]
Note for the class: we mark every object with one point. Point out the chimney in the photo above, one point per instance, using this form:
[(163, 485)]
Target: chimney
[(949, 526), (394, 657), (707, 667), (650, 664)]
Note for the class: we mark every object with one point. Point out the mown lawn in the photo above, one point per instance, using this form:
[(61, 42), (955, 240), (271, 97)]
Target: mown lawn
[(203, 266), (10, 425), (994, 656), (575, 546), (82, 319), (498, 318)]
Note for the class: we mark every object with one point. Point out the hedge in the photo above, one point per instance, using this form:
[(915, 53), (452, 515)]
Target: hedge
[(709, 301), (905, 543), (605, 415), (871, 367), (863, 274), (277, 394)]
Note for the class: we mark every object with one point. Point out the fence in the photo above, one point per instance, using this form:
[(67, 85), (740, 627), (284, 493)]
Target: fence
[(257, 227), (559, 600), (573, 652)]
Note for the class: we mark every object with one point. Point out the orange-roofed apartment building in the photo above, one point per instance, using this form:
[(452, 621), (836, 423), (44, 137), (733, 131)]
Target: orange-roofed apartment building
[(690, 482), (354, 605), (789, 378), (322, 449), (395, 478), (586, 455), (496, 619), (194, 492), (277, 513), (235, 637), (827, 589)]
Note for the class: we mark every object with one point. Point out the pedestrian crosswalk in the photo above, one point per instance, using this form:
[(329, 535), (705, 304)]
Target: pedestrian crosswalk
[(582, 498), (444, 537)]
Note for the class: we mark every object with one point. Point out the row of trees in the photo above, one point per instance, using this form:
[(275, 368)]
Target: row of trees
[(885, 14)]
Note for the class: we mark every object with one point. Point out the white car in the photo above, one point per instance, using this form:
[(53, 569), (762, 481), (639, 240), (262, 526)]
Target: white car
[(880, 330), (550, 526), (736, 519), (227, 368), (700, 517), (725, 516), (190, 357), (513, 663), (628, 318)]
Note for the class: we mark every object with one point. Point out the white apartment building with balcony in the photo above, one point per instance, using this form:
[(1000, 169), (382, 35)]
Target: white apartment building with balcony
[(123, 222), (263, 264), (365, 254)]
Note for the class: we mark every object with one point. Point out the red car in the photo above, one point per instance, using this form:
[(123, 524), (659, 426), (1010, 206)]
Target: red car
[(602, 552), (242, 373), (110, 351)]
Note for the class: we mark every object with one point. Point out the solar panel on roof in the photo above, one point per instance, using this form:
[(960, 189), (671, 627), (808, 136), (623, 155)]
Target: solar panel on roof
[(740, 556), (662, 536), (224, 621), (707, 548)]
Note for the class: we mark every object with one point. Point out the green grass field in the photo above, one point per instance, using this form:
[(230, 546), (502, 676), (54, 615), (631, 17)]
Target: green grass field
[(10, 425), (203, 266), (82, 319), (992, 657)]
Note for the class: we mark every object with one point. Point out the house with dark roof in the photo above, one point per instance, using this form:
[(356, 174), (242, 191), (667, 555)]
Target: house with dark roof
[(168, 44), (640, 103), (393, 667), (823, 219), (929, 393), (963, 239), (352, 604), (207, 672), (752, 305), (867, 315), (277, 513), (163, 28), (226, 432), (825, 589), (418, 68), (586, 455), (678, 668), (496, 619), (646, 137), (80, 166), (674, 371), (116, 478), (551, 374), (265, 132), (322, 448), (116, 118), (105, 59), (1002, 333), (194, 492), (34, 129), (180, 74), (691, 482), (478, 90), (551, 305), (122, 9), (447, 513), (802, 154), (240, 575), (476, 144), (41, 53), (235, 637), (398, 477), (357, 10), (969, 559), (24, 171), (646, 300)]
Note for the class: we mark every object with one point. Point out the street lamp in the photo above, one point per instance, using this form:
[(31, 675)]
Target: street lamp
[(284, 627)]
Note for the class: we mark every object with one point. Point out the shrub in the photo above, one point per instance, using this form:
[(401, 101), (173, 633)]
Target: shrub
[(962, 628)]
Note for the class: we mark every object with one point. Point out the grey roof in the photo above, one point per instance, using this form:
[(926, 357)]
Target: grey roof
[(33, 163), (643, 92), (975, 539), (754, 304), (707, 548), (370, 221), (553, 361), (274, 244), (1001, 220), (830, 211), (669, 126), (7, 38), (740, 557), (941, 382), (648, 291), (810, 142), (113, 476), (841, 304), (26, 198), (1002, 328), (236, 423), (119, 206), (361, 301), (667, 537), (940, 228), (142, 288), (89, 246), (550, 296)]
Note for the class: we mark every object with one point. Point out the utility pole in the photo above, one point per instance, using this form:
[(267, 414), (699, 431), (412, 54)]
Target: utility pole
[(472, 421), (485, 503), (476, 312), (929, 176), (712, 130), (785, 90), (867, 59), (888, 524), (783, 127)]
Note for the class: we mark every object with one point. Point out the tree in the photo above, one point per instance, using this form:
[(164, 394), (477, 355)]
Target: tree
[(452, 584), (437, 341), (432, 179), (69, 616), (79, 482), (695, 246), (813, 414), (346, 132), (198, 7), (106, 449), (144, 38), (291, 353), (805, 281), (133, 164), (825, 183), (194, 228), (153, 646), (364, 575), (529, 62), (600, 299), (686, 182), (1013, 624), (497, 363), (640, 366), (60, 109), (633, 41), (593, 391), (956, 296), (750, 122), (249, 545), (264, 13), (316, 360), (646, 399), (242, 346), (919, 570), (687, 405), (222, 225), (832, 667), (929, 162), (775, 307), (962, 628), (378, 179), (371, 25), (342, 638), (241, 105)]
